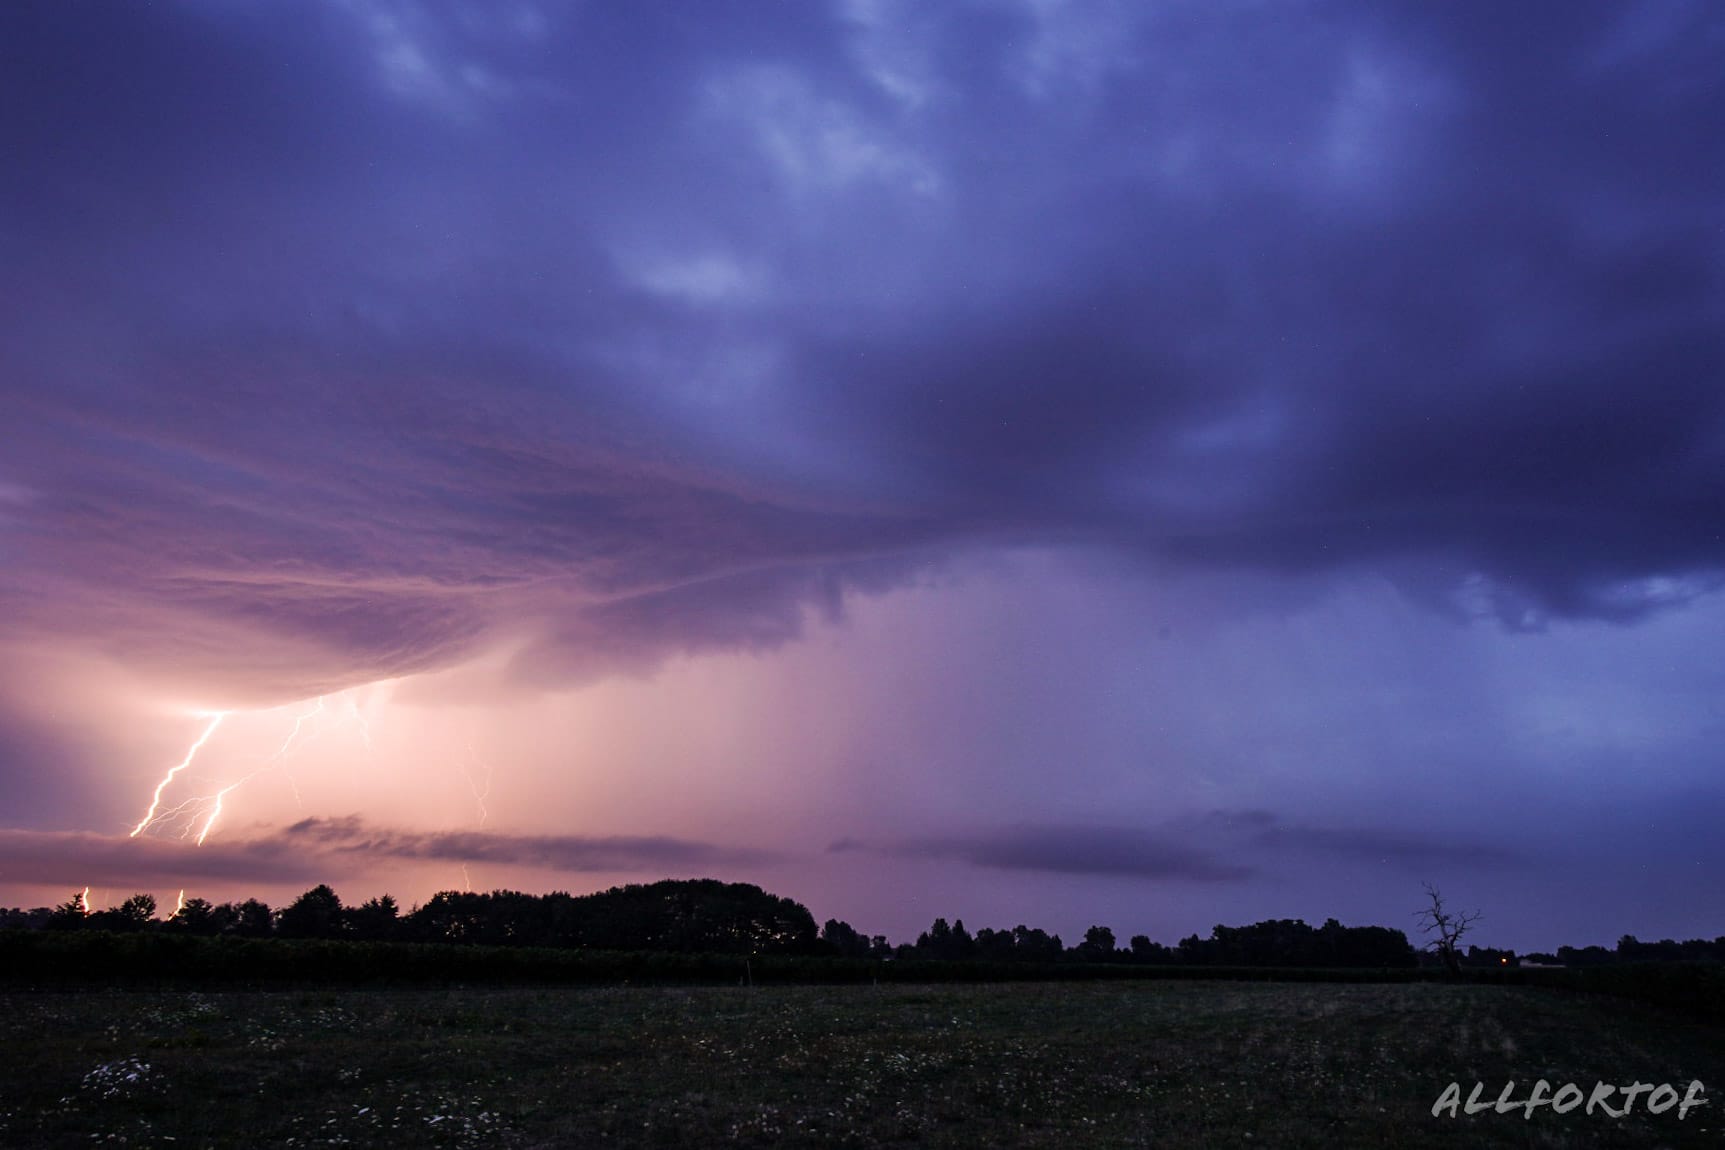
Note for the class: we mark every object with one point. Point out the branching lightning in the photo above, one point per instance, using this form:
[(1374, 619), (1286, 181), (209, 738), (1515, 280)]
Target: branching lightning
[(216, 808), (298, 722), (197, 815), (156, 798), (215, 801)]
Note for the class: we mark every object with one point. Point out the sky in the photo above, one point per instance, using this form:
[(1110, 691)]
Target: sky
[(1149, 465)]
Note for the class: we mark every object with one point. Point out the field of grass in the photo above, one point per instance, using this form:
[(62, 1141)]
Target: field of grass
[(1168, 1064)]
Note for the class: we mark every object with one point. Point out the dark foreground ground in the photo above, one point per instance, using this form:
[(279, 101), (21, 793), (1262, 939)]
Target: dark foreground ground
[(1167, 1064)]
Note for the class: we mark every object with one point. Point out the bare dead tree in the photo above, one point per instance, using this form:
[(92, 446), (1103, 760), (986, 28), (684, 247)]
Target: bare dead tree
[(1445, 928)]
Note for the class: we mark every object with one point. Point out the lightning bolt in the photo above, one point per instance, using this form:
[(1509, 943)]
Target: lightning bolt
[(180, 903), (156, 798), (287, 744), (84, 900), (479, 794), (220, 796), (299, 721), (216, 808), (197, 816)]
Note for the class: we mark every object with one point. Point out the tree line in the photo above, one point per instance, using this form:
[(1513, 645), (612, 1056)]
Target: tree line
[(1631, 949), (1278, 942), (706, 916), (688, 916)]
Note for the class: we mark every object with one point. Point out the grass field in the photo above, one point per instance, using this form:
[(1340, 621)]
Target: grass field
[(1043, 1064)]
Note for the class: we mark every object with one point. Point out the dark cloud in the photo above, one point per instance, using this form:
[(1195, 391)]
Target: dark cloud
[(1217, 846), (320, 849), (353, 838), (76, 858), (350, 341), (1414, 852), (1268, 835), (1090, 850)]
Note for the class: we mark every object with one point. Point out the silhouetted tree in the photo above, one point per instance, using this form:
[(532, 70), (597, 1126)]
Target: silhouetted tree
[(17, 918), (373, 920), (994, 945), (314, 914), (451, 916), (1033, 944), (935, 941), (948, 943), (1148, 952), (1291, 943), (701, 915), (1098, 945), (136, 913), (1445, 927), (73, 914), (844, 939), (249, 919), (195, 916)]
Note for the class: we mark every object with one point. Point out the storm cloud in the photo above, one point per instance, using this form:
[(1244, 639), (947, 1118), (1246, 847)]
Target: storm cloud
[(1001, 434), (379, 334)]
